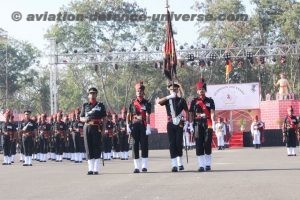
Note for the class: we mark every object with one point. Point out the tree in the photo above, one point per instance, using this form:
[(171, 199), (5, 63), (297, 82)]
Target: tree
[(17, 57), (115, 85)]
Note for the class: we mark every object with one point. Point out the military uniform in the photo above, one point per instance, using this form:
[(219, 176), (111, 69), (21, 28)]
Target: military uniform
[(115, 140), (60, 129), (44, 133), (256, 128), (201, 108), (174, 106), (123, 138), (77, 127), (107, 139), (139, 128), (52, 155), (28, 128), (220, 132), (8, 135), (290, 127), (13, 149), (93, 112)]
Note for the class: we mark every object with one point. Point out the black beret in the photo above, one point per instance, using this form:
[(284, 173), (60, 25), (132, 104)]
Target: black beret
[(27, 112), (174, 85), (93, 90)]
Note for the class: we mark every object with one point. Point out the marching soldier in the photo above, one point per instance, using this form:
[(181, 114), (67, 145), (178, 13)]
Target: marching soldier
[(115, 139), (107, 137), (290, 129), (220, 133), (28, 130), (175, 105), (7, 131), (138, 124), (60, 129), (256, 127), (123, 136), (93, 113), (202, 112), (44, 134)]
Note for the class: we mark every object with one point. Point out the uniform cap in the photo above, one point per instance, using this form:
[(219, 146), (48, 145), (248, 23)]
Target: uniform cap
[(93, 90)]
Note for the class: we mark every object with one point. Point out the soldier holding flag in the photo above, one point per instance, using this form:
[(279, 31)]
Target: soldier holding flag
[(174, 106)]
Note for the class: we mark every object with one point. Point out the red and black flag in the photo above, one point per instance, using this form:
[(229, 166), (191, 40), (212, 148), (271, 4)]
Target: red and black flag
[(170, 58)]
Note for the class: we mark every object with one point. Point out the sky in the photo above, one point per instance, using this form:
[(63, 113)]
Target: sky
[(33, 32)]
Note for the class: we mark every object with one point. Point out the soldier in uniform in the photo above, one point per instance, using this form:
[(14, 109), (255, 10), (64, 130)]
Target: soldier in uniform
[(256, 127), (60, 129), (220, 133), (35, 155), (202, 112), (290, 131), (228, 132), (77, 127), (44, 134), (123, 136), (175, 106), (7, 131), (138, 124), (93, 113), (52, 138), (107, 137), (115, 139), (28, 131), (14, 138)]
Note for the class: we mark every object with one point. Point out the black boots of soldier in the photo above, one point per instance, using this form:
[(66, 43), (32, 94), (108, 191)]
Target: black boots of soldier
[(207, 168), (257, 146), (92, 173)]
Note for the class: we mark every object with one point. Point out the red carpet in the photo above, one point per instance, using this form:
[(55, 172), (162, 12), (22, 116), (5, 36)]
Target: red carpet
[(236, 140)]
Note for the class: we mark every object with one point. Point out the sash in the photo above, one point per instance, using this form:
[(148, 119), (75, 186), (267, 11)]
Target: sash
[(175, 119)]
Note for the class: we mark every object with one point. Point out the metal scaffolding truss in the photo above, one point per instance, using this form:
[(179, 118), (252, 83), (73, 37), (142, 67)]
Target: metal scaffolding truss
[(78, 57)]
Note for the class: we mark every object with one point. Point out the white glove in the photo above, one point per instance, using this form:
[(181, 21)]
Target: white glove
[(171, 96), (128, 129), (148, 130), (191, 127), (213, 126), (185, 127)]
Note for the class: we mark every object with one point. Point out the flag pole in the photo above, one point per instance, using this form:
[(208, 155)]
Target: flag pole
[(167, 4)]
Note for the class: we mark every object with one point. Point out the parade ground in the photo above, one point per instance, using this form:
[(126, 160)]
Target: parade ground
[(245, 173)]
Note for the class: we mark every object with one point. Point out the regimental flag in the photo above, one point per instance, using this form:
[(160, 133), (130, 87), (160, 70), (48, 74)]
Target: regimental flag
[(228, 68), (170, 58)]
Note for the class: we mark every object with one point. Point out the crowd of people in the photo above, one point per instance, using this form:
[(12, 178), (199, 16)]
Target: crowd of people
[(91, 133), (59, 136)]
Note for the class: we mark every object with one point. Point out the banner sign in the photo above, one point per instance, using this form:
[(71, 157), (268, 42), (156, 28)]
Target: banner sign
[(235, 96)]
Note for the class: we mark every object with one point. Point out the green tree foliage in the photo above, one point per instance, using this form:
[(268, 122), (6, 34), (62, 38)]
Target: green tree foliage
[(115, 85), (16, 60)]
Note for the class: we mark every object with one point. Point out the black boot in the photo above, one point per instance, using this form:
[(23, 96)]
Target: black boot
[(174, 169)]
